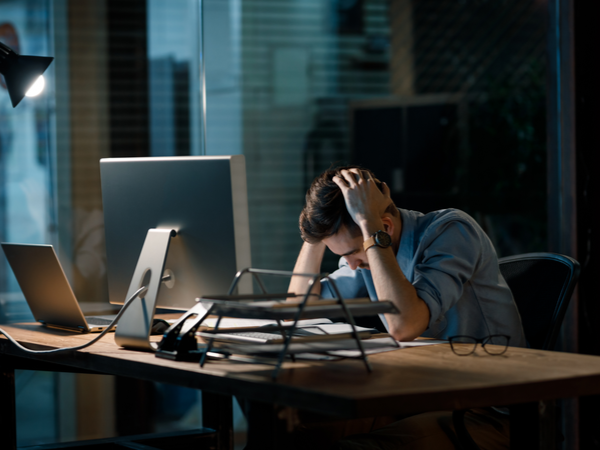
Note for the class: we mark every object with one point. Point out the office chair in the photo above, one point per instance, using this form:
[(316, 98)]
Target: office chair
[(542, 285)]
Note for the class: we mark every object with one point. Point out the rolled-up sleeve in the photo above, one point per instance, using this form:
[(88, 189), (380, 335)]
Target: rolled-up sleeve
[(350, 283), (451, 252)]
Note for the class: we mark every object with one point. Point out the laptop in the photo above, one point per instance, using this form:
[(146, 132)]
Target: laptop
[(47, 290)]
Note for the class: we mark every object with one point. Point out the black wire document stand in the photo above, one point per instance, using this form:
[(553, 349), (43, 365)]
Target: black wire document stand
[(179, 341)]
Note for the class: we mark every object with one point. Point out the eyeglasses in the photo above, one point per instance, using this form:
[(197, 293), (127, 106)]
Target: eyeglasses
[(466, 345)]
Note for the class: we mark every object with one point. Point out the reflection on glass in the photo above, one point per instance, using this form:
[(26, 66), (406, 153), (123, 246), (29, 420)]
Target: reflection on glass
[(173, 77), (26, 206)]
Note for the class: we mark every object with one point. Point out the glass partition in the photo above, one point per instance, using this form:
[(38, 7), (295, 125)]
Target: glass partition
[(444, 100), (28, 196)]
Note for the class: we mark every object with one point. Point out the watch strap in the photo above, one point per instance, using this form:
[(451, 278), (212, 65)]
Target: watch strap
[(369, 243)]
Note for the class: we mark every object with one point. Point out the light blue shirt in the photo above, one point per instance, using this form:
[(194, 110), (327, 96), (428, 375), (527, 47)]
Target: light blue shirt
[(453, 265)]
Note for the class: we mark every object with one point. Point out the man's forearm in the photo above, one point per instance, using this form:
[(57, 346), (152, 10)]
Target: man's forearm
[(309, 261), (391, 284)]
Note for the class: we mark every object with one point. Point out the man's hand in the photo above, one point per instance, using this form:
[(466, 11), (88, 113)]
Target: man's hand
[(364, 201)]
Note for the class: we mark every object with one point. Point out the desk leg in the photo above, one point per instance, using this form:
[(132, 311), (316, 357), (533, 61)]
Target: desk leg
[(263, 427), (533, 426), (269, 429), (8, 417), (217, 413)]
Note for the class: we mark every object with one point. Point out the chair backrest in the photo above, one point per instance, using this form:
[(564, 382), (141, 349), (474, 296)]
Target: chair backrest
[(542, 285)]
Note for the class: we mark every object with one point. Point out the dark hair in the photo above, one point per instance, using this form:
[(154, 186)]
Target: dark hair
[(325, 210)]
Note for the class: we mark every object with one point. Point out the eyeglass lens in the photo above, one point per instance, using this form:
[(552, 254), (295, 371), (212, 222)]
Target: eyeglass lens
[(463, 345), (495, 344)]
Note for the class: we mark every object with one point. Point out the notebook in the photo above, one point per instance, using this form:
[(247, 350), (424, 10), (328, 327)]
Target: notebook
[(47, 290)]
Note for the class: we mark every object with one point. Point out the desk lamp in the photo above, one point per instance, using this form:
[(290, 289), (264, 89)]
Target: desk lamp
[(22, 74)]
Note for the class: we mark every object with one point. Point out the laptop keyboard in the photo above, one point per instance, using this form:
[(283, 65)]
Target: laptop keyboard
[(259, 336), (97, 321), (256, 337)]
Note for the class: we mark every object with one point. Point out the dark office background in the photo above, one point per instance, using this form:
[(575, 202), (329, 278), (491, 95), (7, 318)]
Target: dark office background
[(453, 104)]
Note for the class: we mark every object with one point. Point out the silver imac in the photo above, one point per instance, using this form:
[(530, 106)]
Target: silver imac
[(203, 199)]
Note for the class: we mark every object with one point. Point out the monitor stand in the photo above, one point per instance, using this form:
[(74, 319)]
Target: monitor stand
[(133, 329)]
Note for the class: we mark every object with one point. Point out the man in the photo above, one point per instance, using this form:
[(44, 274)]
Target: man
[(439, 269)]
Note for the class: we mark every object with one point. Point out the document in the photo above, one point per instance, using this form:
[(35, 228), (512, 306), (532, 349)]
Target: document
[(336, 328), (332, 348), (422, 342), (228, 322), (380, 349)]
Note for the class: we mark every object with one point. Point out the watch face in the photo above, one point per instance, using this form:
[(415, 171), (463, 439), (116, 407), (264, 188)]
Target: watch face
[(383, 239)]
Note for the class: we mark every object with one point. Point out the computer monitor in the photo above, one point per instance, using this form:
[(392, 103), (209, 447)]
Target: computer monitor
[(203, 198)]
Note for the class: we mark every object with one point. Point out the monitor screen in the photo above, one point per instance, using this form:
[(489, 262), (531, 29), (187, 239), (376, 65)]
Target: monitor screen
[(203, 198)]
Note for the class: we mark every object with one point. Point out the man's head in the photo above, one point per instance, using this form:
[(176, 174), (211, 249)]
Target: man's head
[(325, 212)]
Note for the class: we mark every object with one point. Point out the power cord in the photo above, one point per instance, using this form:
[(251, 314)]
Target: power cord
[(87, 344)]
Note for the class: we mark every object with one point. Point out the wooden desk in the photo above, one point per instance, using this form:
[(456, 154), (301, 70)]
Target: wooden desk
[(404, 381)]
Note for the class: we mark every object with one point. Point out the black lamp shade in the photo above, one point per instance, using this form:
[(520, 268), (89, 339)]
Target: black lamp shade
[(20, 72)]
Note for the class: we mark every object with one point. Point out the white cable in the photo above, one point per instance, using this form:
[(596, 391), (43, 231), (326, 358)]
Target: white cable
[(87, 344)]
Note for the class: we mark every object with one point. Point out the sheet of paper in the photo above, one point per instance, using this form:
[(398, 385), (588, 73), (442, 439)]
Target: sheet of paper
[(422, 342), (228, 322), (338, 328), (310, 347), (308, 323), (371, 351), (356, 353)]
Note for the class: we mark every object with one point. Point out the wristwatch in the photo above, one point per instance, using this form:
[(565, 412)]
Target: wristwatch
[(380, 238)]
